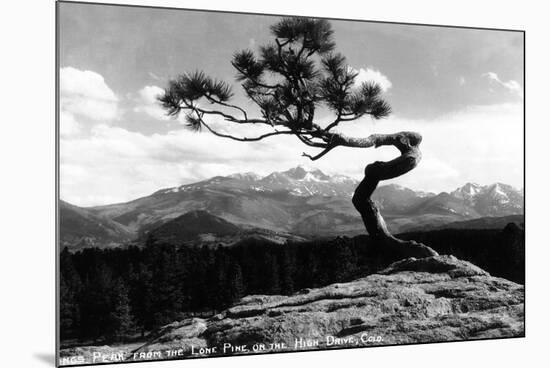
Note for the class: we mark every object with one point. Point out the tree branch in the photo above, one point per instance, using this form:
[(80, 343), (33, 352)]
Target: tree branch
[(405, 142), (321, 154), (213, 100), (309, 142), (334, 123), (245, 139), (255, 81), (229, 117)]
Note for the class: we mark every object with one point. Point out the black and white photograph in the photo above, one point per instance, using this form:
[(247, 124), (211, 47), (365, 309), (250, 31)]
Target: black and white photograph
[(238, 184)]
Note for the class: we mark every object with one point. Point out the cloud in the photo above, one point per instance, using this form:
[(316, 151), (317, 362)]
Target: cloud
[(148, 103), (372, 75), (461, 80), (480, 143), (85, 98), (84, 93), (68, 126), (114, 164), (512, 86)]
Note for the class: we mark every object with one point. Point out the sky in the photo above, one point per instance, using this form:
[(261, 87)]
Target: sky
[(462, 89)]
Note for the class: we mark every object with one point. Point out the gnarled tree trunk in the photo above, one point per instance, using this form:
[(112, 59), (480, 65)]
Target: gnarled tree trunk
[(407, 143)]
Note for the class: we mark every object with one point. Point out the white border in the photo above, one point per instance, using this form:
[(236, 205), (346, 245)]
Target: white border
[(27, 328)]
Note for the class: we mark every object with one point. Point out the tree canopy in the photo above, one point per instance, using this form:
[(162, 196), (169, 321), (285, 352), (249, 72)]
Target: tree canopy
[(290, 78)]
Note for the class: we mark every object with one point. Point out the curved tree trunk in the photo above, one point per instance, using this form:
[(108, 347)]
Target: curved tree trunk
[(407, 143)]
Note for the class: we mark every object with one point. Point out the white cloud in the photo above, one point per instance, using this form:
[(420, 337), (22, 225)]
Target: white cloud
[(68, 126), (114, 164), (481, 144), (512, 86), (372, 75), (84, 93), (148, 103)]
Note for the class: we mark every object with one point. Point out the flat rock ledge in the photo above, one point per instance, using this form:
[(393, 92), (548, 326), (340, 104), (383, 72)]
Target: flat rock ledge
[(433, 299)]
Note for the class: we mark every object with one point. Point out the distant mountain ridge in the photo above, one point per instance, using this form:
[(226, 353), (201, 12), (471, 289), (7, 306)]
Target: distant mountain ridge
[(81, 228), (302, 201), (201, 227), (299, 181)]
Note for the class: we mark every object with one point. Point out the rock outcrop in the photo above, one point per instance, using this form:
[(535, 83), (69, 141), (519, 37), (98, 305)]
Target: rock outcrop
[(431, 299)]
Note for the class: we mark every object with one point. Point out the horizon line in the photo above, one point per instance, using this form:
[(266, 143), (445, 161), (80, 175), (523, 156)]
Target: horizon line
[(311, 168)]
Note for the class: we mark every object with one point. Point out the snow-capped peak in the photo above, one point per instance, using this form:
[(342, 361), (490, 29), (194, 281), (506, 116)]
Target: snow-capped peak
[(496, 190), (471, 188), (303, 173), (467, 191), (310, 176)]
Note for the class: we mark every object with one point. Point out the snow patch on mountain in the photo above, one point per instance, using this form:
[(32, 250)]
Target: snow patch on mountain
[(311, 177)]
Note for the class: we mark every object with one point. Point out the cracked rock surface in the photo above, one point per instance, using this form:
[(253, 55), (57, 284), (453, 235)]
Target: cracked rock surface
[(438, 298)]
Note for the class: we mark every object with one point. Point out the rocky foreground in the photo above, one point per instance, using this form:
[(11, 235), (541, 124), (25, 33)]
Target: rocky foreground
[(431, 299)]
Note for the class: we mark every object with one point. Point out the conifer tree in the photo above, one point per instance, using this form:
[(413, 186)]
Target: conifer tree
[(121, 319), (70, 287), (290, 80), (237, 284)]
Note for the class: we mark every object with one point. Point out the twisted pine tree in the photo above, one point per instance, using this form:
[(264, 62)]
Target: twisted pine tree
[(287, 81)]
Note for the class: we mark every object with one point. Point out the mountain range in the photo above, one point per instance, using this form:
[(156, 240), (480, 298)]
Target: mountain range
[(293, 204)]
